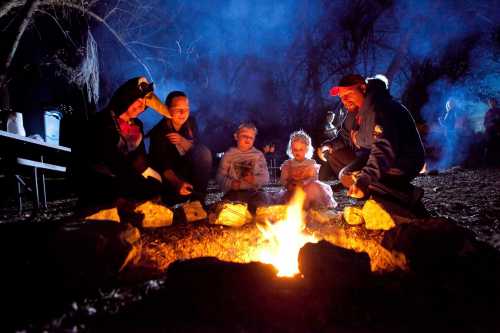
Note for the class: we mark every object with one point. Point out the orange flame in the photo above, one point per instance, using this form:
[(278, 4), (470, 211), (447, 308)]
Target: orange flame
[(286, 238)]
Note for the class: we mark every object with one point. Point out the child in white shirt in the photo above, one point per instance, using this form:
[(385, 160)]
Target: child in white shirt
[(243, 170)]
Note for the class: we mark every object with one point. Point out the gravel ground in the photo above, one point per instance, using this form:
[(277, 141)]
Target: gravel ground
[(471, 198)]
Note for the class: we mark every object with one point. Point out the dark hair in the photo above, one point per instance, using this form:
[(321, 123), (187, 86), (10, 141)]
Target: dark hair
[(350, 80), (172, 95)]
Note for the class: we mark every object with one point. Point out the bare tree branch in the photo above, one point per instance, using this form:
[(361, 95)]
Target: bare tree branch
[(8, 6), (106, 24), (30, 9)]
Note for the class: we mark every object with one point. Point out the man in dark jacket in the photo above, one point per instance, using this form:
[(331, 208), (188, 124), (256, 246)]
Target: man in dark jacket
[(345, 150), (112, 161), (396, 152), (176, 152)]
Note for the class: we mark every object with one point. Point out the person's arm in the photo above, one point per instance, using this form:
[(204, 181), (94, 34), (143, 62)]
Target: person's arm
[(311, 172), (382, 153), (261, 172), (223, 178), (183, 187), (285, 173)]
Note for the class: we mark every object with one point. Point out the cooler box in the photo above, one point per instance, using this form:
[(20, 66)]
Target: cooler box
[(51, 122)]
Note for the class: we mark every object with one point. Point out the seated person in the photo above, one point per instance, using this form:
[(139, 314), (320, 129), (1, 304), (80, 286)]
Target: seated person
[(243, 170), (176, 152), (301, 170), (113, 161)]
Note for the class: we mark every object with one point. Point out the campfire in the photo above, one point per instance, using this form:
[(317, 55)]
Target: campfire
[(286, 238), (273, 235)]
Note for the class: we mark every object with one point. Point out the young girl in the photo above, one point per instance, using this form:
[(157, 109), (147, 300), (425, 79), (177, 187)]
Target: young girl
[(301, 170)]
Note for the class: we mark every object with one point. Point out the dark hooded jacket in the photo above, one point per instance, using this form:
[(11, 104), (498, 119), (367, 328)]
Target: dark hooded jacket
[(106, 151), (389, 129)]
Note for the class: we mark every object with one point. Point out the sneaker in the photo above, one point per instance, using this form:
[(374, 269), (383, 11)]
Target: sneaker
[(337, 187)]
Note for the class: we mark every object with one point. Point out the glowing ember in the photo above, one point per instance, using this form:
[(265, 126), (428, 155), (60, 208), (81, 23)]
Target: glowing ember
[(286, 238)]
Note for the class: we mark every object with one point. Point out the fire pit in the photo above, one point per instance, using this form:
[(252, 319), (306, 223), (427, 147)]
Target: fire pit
[(277, 243)]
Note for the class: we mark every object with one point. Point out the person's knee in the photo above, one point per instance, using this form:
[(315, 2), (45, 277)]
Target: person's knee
[(202, 155), (344, 172)]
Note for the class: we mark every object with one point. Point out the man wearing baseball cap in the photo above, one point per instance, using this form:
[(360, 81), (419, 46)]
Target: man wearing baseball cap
[(350, 149), (385, 130)]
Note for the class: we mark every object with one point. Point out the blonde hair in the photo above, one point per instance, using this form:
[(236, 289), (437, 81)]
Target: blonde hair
[(247, 125), (302, 137)]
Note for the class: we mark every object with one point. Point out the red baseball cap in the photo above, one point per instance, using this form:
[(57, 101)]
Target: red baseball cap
[(347, 82)]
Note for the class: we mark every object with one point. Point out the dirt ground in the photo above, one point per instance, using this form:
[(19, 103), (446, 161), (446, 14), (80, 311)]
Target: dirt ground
[(470, 197)]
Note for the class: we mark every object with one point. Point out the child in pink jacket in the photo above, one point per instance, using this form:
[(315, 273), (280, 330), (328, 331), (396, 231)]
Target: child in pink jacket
[(301, 170)]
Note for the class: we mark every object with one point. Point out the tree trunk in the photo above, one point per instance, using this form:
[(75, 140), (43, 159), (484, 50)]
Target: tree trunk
[(395, 64)]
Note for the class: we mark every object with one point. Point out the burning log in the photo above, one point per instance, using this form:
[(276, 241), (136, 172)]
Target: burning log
[(327, 264)]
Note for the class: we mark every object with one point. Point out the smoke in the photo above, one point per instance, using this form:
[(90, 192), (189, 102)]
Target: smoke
[(454, 116), (253, 60)]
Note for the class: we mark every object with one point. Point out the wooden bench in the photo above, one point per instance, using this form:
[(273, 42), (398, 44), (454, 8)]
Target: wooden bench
[(27, 153)]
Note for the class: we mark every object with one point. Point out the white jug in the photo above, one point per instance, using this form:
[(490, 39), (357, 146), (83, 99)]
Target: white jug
[(15, 124)]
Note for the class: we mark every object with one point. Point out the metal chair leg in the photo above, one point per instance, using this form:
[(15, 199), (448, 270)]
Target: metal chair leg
[(19, 198), (44, 192), (37, 193)]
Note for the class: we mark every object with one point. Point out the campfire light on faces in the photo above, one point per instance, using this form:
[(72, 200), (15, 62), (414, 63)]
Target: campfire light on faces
[(286, 238)]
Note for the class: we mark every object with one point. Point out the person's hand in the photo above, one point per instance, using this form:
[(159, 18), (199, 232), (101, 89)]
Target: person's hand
[(235, 185), (296, 174), (355, 192), (320, 151), (354, 138), (347, 180), (249, 179), (309, 173), (175, 138), (291, 186), (185, 189)]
